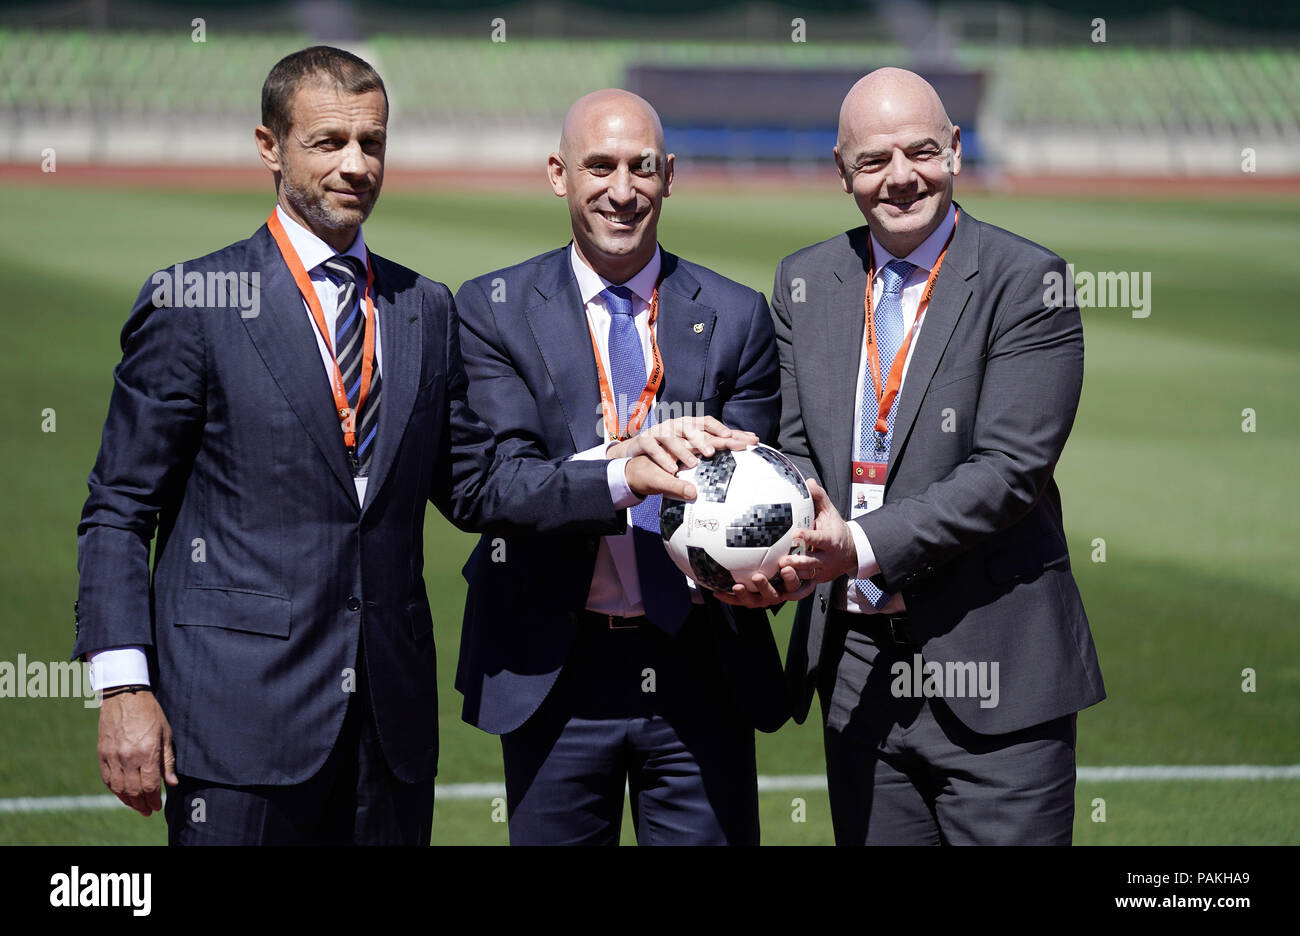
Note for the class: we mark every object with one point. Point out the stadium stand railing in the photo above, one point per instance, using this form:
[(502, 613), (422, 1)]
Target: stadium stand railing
[(476, 90)]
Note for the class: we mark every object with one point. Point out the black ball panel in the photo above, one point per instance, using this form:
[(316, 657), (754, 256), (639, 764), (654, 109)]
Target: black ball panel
[(713, 476), (784, 467), (707, 571), (672, 513)]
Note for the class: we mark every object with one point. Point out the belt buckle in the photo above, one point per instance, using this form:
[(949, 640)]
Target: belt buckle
[(613, 626)]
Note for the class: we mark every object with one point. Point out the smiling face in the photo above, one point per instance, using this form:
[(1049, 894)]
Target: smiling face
[(898, 155), (612, 169), (330, 165)]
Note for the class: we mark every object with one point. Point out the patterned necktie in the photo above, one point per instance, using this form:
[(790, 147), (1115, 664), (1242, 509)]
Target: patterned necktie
[(349, 273), (663, 590), (872, 446)]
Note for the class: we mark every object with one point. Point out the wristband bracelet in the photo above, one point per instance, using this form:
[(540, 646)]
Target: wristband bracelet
[(120, 690)]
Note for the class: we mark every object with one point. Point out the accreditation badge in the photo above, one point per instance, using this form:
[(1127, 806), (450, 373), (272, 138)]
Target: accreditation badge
[(868, 490)]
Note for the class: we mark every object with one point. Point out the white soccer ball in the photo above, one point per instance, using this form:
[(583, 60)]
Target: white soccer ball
[(748, 505)]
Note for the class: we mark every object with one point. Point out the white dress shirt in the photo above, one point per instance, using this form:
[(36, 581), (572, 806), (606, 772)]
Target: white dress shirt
[(125, 666), (924, 257), (615, 584)]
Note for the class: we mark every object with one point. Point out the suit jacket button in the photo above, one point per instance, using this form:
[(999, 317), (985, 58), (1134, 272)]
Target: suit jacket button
[(354, 603)]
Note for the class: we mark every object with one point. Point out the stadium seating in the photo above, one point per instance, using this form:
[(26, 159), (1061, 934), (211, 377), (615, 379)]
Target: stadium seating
[(1091, 88)]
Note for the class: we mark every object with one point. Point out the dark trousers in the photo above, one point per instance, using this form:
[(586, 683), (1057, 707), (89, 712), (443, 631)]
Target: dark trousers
[(354, 799), (634, 707), (906, 771)]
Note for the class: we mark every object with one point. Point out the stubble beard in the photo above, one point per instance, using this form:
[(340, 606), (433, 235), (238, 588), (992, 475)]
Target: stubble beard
[(313, 209)]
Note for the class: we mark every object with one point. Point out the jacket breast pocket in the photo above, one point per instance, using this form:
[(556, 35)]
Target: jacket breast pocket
[(235, 609)]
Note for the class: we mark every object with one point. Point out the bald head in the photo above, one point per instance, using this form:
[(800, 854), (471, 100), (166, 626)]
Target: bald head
[(888, 98), (611, 112), (898, 154), (613, 170)]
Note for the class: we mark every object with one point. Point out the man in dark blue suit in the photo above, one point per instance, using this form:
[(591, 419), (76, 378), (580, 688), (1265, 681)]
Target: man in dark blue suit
[(589, 653), (284, 409)]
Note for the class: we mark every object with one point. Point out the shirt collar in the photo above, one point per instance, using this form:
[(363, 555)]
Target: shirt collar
[(927, 254), (591, 284), (313, 251)]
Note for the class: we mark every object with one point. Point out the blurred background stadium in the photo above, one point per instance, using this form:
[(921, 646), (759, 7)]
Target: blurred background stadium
[(1139, 136)]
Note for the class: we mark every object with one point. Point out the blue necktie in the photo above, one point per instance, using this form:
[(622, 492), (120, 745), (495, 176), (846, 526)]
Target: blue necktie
[(349, 274), (663, 590), (872, 446)]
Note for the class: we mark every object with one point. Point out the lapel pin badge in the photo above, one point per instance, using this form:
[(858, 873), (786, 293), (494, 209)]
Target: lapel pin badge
[(698, 327)]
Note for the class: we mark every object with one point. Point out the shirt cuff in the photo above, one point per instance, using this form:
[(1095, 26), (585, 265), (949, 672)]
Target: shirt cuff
[(620, 492), (867, 564), (595, 453), (119, 666)]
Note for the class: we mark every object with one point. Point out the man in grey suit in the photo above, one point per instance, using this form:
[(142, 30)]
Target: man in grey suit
[(927, 382)]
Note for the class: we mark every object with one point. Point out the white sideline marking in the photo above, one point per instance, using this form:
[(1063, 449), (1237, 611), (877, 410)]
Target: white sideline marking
[(794, 783), (1226, 772)]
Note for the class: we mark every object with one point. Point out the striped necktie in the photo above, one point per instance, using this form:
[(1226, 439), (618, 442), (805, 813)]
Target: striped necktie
[(889, 336), (349, 273)]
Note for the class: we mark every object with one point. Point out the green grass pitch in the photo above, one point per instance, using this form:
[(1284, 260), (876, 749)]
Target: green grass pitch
[(1198, 582)]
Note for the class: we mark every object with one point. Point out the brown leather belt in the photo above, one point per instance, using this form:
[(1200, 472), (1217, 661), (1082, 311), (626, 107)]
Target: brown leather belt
[(612, 621)]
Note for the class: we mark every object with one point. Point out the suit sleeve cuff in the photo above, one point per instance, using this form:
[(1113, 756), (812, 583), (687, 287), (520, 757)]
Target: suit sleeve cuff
[(119, 666), (615, 475), (867, 564)]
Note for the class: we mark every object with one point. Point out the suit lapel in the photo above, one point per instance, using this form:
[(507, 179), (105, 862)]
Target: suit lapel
[(559, 327), (283, 336), (402, 347), (683, 332), (844, 336), (952, 290)]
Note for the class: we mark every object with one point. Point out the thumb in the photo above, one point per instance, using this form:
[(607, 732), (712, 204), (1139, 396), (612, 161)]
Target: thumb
[(674, 487), (646, 479), (169, 760)]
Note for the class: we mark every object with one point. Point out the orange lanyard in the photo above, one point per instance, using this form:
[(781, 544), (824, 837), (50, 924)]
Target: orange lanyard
[(608, 405), (347, 416), (885, 396)]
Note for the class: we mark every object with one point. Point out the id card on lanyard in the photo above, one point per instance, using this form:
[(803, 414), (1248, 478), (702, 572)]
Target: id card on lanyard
[(868, 477), (347, 414), (868, 490)]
